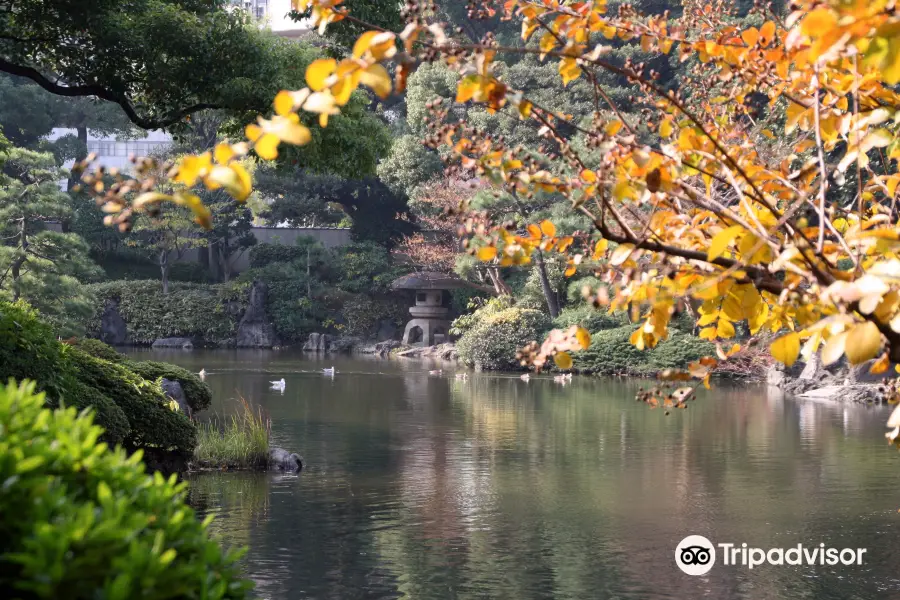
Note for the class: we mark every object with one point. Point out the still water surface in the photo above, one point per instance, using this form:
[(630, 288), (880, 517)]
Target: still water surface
[(427, 487)]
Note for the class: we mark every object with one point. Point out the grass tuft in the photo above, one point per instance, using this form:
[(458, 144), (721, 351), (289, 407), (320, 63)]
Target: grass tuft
[(240, 442)]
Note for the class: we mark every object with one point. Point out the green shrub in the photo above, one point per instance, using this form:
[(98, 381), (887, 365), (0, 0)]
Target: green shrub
[(196, 392), (611, 353), (99, 349), (263, 255), (495, 338), (107, 414), (590, 318), (28, 348), (188, 310), (480, 309), (190, 272), (149, 412), (82, 521)]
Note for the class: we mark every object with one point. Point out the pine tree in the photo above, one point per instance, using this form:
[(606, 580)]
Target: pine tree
[(43, 267)]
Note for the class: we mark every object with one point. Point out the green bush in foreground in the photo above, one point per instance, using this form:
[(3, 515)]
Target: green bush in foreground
[(196, 392), (89, 522)]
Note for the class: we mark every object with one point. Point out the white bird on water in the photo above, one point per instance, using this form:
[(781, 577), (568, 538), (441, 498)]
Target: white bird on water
[(330, 371), (202, 374), (526, 377), (278, 385), (437, 372)]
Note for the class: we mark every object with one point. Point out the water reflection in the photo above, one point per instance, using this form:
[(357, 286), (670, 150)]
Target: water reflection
[(431, 487)]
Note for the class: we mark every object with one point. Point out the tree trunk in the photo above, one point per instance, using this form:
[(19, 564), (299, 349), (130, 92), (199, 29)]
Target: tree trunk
[(82, 134), (223, 260), (164, 268), (549, 294), (500, 287), (15, 269)]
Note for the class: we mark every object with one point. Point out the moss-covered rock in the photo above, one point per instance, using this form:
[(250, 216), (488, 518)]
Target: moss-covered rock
[(492, 342), (196, 392)]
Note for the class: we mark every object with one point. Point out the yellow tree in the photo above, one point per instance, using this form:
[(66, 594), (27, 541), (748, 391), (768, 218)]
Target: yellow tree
[(684, 204)]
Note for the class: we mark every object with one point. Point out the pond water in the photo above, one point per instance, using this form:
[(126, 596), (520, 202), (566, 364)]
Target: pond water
[(424, 487)]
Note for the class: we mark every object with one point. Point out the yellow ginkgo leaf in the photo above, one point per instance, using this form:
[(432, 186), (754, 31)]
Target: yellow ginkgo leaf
[(786, 348), (563, 360), (266, 146), (666, 128), (863, 342), (486, 253), (721, 241), (833, 349), (569, 70), (192, 167), (584, 338), (318, 72), (283, 103), (548, 228), (725, 329), (377, 78)]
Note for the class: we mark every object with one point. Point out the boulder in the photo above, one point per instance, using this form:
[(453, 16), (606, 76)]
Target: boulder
[(282, 460), (255, 330), (317, 342), (383, 349), (854, 393), (175, 342), (387, 331), (113, 328), (174, 391)]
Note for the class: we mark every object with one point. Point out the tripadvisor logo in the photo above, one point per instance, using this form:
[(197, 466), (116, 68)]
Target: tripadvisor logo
[(696, 555)]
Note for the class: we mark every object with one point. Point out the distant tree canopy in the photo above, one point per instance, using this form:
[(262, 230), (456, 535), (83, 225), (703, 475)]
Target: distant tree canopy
[(379, 214), (164, 60)]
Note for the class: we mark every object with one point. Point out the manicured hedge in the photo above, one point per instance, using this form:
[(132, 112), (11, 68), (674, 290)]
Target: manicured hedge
[(188, 310), (82, 521), (611, 353), (89, 374), (153, 421)]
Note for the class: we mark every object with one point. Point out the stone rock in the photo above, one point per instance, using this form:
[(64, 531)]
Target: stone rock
[(282, 460), (861, 373), (182, 343), (255, 330), (174, 391), (113, 328), (854, 393), (442, 351), (383, 349), (343, 345), (387, 331), (317, 342)]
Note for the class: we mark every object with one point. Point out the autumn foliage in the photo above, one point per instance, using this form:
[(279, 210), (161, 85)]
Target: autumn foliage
[(686, 205)]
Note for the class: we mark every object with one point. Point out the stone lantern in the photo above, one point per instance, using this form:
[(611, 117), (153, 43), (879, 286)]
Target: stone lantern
[(430, 324)]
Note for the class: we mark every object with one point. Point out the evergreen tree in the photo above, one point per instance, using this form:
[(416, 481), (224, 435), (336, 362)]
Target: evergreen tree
[(44, 267)]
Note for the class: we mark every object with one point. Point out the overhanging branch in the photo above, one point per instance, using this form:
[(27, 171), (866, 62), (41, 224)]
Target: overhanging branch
[(103, 93)]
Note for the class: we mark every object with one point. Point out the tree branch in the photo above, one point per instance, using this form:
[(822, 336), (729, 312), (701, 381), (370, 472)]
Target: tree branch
[(103, 93)]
